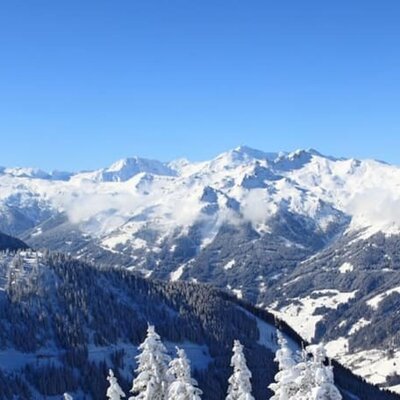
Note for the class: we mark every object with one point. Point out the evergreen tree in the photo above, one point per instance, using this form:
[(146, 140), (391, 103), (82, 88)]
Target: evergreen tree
[(315, 381), (305, 378), (239, 382), (324, 386), (114, 391), (285, 386), (182, 386), (151, 382)]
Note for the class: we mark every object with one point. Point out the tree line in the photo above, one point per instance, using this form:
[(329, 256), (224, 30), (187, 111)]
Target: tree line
[(300, 376)]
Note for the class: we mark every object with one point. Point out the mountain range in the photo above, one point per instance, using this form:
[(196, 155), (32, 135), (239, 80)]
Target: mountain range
[(313, 239)]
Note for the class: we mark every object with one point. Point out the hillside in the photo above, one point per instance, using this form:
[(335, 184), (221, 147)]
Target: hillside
[(64, 322)]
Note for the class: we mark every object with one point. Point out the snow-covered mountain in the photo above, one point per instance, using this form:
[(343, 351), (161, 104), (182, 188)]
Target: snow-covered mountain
[(126, 169), (316, 239)]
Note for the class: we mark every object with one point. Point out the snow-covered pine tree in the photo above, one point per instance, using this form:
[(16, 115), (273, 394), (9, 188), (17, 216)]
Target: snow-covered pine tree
[(316, 380), (151, 382), (324, 385), (305, 379), (114, 391), (182, 386), (239, 382), (285, 386)]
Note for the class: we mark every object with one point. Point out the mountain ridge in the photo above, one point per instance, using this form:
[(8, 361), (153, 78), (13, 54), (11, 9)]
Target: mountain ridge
[(38, 173)]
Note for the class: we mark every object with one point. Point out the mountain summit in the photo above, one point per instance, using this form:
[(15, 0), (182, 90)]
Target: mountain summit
[(127, 168)]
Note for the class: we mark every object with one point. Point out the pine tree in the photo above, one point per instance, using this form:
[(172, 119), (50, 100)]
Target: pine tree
[(305, 379), (239, 382), (182, 386), (151, 382), (315, 381), (285, 387), (114, 391), (324, 386)]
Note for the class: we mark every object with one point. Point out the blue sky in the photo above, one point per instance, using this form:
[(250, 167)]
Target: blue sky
[(83, 83)]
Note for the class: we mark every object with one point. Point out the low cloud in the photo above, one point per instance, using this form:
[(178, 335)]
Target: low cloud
[(256, 208), (376, 207)]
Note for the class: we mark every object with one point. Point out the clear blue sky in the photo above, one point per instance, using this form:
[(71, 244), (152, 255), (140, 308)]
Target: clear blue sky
[(83, 83)]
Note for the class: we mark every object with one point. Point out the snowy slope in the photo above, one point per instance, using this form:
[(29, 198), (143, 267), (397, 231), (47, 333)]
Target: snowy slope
[(348, 295), (64, 323)]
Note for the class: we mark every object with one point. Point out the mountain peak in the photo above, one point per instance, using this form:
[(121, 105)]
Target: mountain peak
[(246, 151), (243, 152), (123, 163), (124, 169), (21, 172)]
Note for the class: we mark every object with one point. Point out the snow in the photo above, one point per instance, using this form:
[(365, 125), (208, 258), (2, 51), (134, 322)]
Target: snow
[(238, 293), (37, 232), (174, 276), (114, 391), (337, 348), (359, 325), (125, 169), (303, 377), (112, 241), (34, 173), (262, 287), (346, 267), (229, 265), (182, 385), (299, 314), (239, 382), (374, 365), (30, 260), (376, 300), (268, 334), (366, 190)]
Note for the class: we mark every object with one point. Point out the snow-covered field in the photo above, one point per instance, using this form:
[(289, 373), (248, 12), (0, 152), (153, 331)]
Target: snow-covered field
[(300, 314)]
